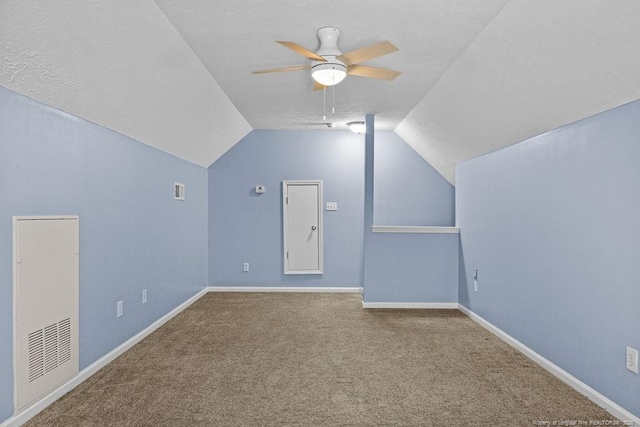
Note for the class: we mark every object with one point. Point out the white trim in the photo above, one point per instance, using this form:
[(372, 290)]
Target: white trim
[(599, 399), (40, 218), (303, 272), (414, 229), (285, 220), (24, 416), (284, 289), (446, 305), (14, 317)]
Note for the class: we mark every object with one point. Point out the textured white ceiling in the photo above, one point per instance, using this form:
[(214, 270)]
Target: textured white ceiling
[(234, 38), (121, 65), (539, 65), (175, 74)]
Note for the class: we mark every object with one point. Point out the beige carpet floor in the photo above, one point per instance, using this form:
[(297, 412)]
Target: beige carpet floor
[(268, 359)]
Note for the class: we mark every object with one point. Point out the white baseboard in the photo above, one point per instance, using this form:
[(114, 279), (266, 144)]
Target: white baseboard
[(30, 412), (449, 305), (599, 399), (414, 229), (283, 289)]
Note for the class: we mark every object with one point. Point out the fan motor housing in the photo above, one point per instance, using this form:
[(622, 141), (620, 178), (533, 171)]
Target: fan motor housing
[(329, 37)]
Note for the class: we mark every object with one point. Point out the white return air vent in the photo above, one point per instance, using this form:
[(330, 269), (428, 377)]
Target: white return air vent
[(46, 263), (178, 191), (49, 348)]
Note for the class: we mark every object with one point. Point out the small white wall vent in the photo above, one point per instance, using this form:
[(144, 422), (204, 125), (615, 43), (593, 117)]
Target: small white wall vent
[(178, 191)]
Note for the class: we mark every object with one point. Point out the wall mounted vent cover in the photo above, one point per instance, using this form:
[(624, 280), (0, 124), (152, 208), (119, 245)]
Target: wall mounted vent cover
[(46, 263), (49, 348), (178, 191)]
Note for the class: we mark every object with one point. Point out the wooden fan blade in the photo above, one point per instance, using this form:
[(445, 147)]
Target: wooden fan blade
[(372, 72), (318, 86), (302, 51), (277, 70), (366, 53)]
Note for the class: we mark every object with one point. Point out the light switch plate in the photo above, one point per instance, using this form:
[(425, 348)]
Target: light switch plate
[(632, 360), (331, 206)]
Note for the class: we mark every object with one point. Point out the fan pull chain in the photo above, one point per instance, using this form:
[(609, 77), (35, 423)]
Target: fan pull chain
[(333, 99), (324, 103)]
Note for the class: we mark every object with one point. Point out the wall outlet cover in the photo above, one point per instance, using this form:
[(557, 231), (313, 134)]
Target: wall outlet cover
[(245, 267), (119, 309), (144, 296), (331, 206)]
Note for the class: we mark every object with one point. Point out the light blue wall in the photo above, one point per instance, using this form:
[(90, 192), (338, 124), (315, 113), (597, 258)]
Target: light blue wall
[(420, 268), (247, 227), (553, 225), (133, 235), (402, 267), (408, 190)]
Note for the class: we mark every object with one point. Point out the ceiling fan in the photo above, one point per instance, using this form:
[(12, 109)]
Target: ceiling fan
[(329, 66)]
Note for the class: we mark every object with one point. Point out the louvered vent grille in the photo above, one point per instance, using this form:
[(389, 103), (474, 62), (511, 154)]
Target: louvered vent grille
[(64, 336), (36, 355), (49, 348)]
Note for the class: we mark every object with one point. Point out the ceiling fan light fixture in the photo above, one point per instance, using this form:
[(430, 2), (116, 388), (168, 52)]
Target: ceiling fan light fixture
[(328, 74), (357, 127)]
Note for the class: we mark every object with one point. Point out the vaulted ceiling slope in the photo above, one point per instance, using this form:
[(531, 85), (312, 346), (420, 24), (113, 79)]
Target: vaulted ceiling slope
[(175, 74), (540, 64), (122, 65)]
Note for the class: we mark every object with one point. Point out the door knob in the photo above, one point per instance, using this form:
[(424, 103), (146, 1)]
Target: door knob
[(313, 227)]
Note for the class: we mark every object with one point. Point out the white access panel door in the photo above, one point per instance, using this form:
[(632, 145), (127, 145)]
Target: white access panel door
[(302, 227), (46, 275)]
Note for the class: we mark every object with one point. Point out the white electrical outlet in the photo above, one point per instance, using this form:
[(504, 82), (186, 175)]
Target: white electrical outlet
[(119, 308), (245, 267), (475, 280), (144, 296), (331, 206), (632, 360)]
